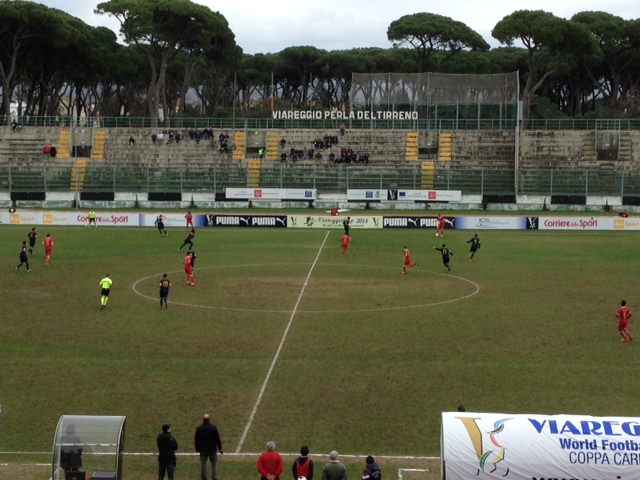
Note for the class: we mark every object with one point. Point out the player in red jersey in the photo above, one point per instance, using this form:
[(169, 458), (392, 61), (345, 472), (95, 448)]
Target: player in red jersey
[(624, 315), (407, 260), (189, 218), (344, 243), (188, 270), (48, 249), (441, 224)]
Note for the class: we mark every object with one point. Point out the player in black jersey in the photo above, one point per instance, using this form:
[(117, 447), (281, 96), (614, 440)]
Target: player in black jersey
[(189, 239), (446, 255), (32, 236), (160, 224), (165, 285), (475, 246), (24, 258)]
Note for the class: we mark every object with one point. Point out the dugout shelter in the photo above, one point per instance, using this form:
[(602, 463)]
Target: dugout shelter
[(88, 447)]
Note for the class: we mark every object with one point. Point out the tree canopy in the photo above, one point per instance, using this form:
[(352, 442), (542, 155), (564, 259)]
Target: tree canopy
[(429, 32), (177, 58)]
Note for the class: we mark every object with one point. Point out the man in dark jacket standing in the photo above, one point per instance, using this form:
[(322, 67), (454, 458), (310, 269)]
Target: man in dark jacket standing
[(167, 446), (208, 444)]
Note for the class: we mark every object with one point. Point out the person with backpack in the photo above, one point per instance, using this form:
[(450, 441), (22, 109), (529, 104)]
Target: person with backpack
[(372, 472), (302, 468)]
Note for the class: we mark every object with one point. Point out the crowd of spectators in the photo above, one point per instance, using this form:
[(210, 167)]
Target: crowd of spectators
[(325, 142), (171, 136), (315, 152), (347, 155)]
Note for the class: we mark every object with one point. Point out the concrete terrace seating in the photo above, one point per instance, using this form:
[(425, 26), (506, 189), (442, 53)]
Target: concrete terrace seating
[(385, 147), (483, 149), (469, 149), (24, 146), (144, 151)]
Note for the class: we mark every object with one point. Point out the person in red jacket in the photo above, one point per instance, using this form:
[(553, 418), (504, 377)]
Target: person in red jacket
[(270, 464)]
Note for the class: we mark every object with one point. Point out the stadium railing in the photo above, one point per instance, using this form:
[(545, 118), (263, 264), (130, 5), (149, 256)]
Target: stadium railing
[(326, 179), (248, 123)]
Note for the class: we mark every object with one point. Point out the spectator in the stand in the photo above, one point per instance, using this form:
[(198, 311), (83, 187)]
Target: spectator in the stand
[(154, 137), (46, 149), (343, 128), (283, 142), (624, 214), (53, 152), (261, 152), (223, 140), (132, 141), (283, 157), (310, 153)]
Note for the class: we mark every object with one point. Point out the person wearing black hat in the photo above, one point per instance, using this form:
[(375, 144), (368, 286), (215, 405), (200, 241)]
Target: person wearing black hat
[(303, 466), (167, 446), (372, 472)]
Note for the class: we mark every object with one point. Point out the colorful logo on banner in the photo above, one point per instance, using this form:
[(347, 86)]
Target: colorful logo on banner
[(486, 444)]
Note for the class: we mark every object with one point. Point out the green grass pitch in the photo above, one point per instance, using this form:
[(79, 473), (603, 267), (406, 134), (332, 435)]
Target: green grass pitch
[(370, 358)]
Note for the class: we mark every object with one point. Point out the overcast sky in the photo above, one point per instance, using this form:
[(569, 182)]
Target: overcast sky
[(263, 26)]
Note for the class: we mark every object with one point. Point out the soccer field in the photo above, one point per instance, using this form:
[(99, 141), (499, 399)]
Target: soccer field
[(283, 338)]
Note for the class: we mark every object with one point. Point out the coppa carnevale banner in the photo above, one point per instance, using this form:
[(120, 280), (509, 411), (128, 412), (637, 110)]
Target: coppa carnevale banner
[(539, 447)]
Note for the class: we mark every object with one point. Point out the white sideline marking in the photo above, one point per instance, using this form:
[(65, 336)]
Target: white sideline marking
[(238, 455), (277, 355), (402, 470)]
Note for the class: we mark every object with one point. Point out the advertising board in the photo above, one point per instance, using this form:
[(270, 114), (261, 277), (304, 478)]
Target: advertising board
[(531, 446)]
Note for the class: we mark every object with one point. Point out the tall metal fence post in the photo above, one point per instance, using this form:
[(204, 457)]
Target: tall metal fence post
[(586, 183)]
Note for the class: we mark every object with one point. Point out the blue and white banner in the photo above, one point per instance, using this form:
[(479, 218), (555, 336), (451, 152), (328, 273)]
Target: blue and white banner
[(491, 223), (575, 223), (525, 447)]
